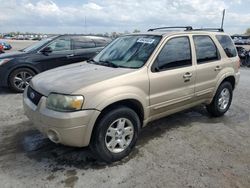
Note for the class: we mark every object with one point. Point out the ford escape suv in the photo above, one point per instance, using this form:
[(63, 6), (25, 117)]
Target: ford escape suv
[(137, 78)]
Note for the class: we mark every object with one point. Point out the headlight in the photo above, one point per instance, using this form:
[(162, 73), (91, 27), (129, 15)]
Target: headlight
[(3, 61), (64, 103)]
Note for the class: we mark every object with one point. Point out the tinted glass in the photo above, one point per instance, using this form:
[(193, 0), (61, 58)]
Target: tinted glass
[(205, 49), (83, 43), (227, 45), (176, 53), (61, 44)]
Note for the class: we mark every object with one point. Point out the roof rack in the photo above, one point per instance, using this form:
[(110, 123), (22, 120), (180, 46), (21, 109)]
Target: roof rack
[(209, 29), (188, 28)]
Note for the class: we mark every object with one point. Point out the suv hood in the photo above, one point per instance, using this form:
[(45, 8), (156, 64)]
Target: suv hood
[(70, 78)]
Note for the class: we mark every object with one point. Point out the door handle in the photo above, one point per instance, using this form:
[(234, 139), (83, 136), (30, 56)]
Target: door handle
[(187, 75), (70, 55), (217, 68)]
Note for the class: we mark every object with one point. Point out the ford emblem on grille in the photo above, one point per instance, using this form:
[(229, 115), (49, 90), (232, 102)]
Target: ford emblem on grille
[(32, 95)]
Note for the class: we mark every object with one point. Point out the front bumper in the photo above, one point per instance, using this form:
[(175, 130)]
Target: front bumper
[(3, 77), (72, 129)]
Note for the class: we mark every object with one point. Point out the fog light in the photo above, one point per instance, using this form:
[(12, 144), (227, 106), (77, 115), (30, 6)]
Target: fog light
[(53, 136)]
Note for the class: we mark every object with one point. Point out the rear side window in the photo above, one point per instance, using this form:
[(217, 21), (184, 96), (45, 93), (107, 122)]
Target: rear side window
[(82, 43), (176, 53), (205, 48), (227, 45)]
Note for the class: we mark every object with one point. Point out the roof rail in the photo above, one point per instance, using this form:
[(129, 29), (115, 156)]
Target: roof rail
[(209, 29), (187, 28)]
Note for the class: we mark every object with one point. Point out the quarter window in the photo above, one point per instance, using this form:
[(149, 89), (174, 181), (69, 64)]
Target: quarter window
[(227, 45), (205, 48), (176, 53)]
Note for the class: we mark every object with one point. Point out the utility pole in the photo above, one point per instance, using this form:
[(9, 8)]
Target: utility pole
[(85, 25)]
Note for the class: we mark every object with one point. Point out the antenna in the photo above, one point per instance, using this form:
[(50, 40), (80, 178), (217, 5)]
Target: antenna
[(223, 16), (85, 24)]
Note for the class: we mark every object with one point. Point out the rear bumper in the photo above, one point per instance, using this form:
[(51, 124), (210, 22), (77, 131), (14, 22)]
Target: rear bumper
[(72, 129), (237, 78)]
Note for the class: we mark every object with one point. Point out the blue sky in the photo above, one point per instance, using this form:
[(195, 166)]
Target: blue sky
[(68, 16)]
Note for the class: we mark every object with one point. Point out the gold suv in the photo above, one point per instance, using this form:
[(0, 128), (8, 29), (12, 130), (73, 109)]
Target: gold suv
[(137, 78)]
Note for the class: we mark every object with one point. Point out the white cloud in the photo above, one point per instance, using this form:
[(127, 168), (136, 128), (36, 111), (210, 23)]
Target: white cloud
[(93, 6), (119, 15)]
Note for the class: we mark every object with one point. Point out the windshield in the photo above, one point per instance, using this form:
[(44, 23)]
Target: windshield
[(36, 45), (128, 51)]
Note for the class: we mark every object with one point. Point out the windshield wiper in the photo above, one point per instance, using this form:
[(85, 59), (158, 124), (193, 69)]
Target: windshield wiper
[(109, 63), (92, 60)]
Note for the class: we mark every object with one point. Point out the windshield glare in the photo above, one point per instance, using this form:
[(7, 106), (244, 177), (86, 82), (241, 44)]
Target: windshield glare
[(36, 45), (129, 51)]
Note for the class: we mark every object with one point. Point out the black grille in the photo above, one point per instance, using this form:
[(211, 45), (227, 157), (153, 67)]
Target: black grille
[(33, 95)]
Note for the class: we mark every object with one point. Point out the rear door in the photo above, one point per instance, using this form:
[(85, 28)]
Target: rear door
[(172, 77), (209, 64)]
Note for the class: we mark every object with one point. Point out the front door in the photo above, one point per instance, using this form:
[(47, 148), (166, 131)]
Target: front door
[(61, 54), (172, 77)]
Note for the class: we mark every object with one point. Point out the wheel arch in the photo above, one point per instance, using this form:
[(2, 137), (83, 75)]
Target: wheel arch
[(130, 103), (22, 67)]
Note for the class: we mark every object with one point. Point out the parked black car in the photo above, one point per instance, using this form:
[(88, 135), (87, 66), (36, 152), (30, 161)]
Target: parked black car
[(17, 68)]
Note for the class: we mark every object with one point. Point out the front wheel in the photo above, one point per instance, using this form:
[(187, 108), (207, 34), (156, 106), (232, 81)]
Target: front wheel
[(222, 100), (19, 79), (115, 134)]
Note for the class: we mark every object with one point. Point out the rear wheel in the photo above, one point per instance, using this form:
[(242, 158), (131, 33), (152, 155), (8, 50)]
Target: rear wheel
[(19, 79), (222, 100), (115, 134)]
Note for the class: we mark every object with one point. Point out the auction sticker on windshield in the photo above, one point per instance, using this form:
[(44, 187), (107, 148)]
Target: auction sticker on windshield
[(146, 40)]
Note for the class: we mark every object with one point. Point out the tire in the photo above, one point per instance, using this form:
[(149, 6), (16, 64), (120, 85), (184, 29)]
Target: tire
[(108, 148), (224, 93), (20, 78)]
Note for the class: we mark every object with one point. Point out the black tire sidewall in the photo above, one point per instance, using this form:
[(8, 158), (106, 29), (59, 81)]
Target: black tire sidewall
[(98, 144), (214, 108), (14, 73)]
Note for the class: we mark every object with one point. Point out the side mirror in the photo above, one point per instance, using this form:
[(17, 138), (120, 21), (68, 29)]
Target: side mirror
[(46, 50)]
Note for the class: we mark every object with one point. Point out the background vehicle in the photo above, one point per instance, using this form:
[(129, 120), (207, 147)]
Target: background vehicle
[(1, 49), (134, 80), (5, 45), (17, 68)]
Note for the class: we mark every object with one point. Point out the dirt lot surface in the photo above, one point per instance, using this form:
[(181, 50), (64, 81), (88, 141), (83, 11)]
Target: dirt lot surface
[(188, 149)]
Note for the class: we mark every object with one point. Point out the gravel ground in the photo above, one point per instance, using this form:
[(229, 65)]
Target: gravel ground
[(188, 149)]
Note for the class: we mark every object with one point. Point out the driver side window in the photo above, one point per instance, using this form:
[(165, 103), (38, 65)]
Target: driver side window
[(61, 44)]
